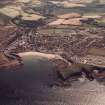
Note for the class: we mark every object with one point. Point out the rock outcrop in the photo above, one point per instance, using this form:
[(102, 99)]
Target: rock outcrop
[(58, 60), (69, 15), (9, 62), (69, 19), (65, 68), (67, 4)]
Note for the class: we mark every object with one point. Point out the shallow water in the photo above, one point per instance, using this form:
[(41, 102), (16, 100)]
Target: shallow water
[(30, 86)]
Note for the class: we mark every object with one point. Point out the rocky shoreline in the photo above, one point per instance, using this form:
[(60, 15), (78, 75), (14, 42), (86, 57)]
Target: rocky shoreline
[(70, 35), (64, 68), (73, 46)]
